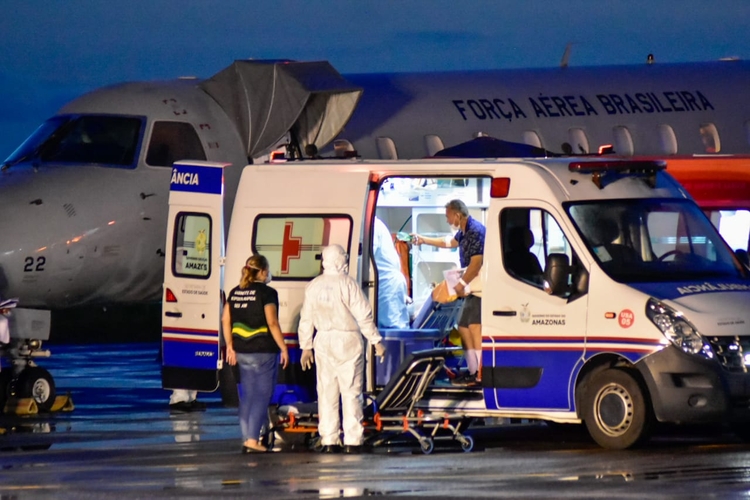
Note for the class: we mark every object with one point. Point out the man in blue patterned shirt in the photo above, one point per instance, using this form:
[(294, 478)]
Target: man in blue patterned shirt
[(469, 238)]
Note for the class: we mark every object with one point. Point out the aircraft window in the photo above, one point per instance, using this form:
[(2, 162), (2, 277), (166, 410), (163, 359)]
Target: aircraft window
[(386, 148), (100, 139), (293, 243), (710, 138), (173, 141), (531, 138), (342, 148), (33, 144), (529, 236), (578, 141), (192, 246), (432, 144), (623, 141), (667, 140), (747, 131)]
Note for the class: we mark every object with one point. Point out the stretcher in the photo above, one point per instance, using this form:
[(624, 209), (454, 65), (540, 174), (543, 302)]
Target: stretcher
[(392, 415)]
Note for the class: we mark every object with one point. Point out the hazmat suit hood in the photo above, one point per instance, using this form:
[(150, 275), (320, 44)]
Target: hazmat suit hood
[(335, 260)]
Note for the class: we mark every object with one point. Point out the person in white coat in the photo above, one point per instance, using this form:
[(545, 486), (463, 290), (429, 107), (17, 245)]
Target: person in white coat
[(336, 307)]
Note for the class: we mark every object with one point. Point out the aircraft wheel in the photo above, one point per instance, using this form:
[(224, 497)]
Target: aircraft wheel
[(36, 382), (616, 409), (426, 445), (467, 443)]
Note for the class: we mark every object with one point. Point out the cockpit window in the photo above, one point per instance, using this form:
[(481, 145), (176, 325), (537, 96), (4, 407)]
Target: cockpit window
[(97, 139), (171, 142), (29, 148)]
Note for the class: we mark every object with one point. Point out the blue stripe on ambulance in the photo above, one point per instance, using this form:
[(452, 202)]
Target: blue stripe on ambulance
[(190, 348), (560, 360)]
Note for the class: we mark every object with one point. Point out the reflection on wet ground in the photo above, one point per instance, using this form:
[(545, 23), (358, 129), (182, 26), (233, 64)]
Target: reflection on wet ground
[(122, 441)]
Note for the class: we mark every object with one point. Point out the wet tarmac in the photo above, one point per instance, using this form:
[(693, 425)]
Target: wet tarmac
[(121, 441)]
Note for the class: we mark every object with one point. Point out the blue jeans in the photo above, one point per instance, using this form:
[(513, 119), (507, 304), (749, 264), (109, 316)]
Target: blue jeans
[(258, 379)]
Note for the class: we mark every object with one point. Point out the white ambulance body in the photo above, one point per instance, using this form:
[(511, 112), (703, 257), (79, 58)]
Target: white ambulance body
[(607, 295)]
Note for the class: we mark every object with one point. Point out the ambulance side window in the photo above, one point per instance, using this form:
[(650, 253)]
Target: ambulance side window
[(293, 243), (192, 246), (529, 236)]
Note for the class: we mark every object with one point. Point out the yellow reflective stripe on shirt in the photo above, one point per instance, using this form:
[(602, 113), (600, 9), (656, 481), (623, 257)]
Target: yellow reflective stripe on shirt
[(245, 332)]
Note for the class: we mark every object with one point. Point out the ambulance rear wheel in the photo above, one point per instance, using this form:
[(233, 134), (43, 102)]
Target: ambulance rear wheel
[(617, 412), (37, 383)]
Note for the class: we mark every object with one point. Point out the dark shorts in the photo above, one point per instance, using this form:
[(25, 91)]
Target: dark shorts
[(471, 314)]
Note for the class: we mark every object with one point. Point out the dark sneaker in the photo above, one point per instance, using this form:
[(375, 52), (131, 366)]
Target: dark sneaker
[(181, 407), (196, 405), (461, 379), (187, 406), (468, 380), (331, 449), (352, 450)]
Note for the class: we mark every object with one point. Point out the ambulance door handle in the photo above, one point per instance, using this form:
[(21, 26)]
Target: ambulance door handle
[(173, 314), (504, 313)]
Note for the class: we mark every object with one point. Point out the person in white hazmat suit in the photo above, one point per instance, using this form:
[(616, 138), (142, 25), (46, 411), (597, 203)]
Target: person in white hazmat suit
[(336, 307), (392, 292)]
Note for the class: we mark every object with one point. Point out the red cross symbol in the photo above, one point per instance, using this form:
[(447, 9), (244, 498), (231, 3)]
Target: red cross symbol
[(291, 247)]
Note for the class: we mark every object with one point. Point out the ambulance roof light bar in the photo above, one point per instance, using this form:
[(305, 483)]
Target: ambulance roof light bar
[(619, 168)]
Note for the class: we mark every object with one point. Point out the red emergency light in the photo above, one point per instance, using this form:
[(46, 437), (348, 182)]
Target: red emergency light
[(590, 167), (500, 187), (169, 296), (599, 169)]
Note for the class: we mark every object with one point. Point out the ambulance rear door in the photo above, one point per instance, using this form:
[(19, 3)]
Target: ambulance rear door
[(288, 213), (193, 274)]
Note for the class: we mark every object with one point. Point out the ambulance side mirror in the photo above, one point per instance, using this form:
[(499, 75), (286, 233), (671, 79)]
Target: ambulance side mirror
[(556, 275)]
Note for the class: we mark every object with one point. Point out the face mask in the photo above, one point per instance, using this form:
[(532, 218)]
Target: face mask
[(455, 227), (268, 277)]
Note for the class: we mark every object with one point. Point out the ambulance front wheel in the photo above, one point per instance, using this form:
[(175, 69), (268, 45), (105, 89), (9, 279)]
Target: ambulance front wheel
[(617, 412), (37, 383)]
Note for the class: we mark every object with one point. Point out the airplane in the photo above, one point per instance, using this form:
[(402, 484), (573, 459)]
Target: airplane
[(84, 198), (85, 194)]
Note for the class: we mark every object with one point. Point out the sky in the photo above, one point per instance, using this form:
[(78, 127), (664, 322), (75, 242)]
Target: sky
[(53, 51)]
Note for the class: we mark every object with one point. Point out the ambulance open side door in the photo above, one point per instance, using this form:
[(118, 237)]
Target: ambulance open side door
[(289, 214), (193, 276)]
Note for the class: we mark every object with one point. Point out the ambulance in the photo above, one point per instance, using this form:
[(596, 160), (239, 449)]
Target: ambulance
[(608, 297)]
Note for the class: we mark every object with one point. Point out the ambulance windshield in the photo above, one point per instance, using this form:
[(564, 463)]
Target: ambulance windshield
[(654, 240), (98, 139)]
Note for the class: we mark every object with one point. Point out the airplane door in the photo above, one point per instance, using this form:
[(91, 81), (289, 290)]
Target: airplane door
[(533, 343), (193, 272)]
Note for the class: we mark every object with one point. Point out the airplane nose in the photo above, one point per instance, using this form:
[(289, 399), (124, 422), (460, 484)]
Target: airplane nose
[(35, 235)]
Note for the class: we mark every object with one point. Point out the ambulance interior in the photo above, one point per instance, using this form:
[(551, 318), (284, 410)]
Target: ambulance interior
[(416, 205), (409, 205)]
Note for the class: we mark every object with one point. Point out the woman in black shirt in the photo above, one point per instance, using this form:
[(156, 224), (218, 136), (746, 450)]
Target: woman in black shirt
[(254, 340)]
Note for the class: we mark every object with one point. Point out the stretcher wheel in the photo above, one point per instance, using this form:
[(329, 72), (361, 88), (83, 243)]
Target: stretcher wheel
[(426, 445), (467, 443)]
